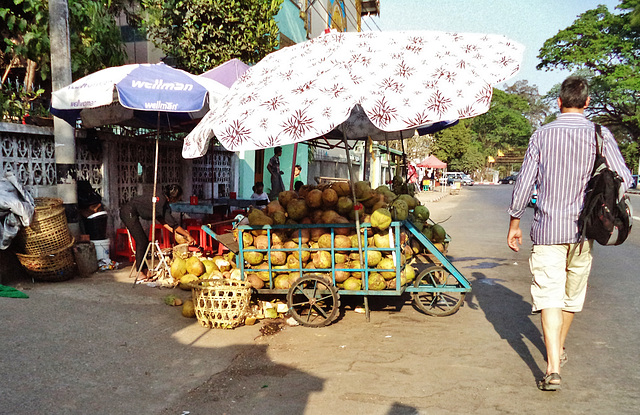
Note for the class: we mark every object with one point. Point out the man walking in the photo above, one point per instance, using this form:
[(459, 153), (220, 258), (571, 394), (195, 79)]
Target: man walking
[(559, 161)]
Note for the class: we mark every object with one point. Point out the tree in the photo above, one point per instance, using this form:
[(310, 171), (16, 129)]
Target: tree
[(201, 34), (538, 108), (95, 37), (606, 45), (504, 125), (458, 148)]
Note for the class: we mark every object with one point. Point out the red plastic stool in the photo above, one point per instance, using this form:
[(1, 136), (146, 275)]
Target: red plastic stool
[(125, 245), (163, 236)]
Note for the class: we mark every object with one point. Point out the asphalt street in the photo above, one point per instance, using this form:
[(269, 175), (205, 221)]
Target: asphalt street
[(98, 346)]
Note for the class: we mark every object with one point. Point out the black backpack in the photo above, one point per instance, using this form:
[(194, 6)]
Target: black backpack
[(607, 213)]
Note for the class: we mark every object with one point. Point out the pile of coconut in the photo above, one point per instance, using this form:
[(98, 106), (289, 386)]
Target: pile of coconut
[(330, 206)]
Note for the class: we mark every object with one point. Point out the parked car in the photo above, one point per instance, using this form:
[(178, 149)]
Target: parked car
[(452, 176), (509, 179)]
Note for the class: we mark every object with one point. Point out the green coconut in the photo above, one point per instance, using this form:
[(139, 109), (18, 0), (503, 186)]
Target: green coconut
[(352, 284)]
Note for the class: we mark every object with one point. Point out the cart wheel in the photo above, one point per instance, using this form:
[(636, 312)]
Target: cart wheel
[(442, 303), (313, 301)]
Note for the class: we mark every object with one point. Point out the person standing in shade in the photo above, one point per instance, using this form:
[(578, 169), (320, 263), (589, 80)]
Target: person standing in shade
[(141, 207), (296, 175), (277, 185), (559, 161)]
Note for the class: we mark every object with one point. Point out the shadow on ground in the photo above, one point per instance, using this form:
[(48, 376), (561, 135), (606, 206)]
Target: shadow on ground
[(510, 316)]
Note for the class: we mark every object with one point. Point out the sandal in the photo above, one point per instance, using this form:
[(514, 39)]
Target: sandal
[(550, 382)]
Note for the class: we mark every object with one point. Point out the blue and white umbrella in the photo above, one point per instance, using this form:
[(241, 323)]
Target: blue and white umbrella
[(136, 95), (142, 95)]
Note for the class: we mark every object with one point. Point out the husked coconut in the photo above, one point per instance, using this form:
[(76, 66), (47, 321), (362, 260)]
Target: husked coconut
[(285, 197), (322, 259), (253, 257), (281, 282), (278, 257), (329, 197), (290, 245), (247, 239), (387, 263), (272, 207), (341, 188), (341, 274), (340, 258), (297, 209), (279, 238), (329, 216), (293, 261), (342, 241), (355, 265), (345, 205), (314, 199), (279, 218), (316, 233), (305, 254), (316, 216), (373, 258), (259, 218), (261, 241), (262, 271), (376, 281), (381, 240), (325, 241), (255, 281), (352, 284)]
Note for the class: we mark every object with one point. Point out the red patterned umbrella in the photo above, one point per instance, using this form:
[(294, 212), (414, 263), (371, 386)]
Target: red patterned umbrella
[(364, 83)]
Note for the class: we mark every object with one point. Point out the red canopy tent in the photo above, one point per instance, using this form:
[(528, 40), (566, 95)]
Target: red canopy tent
[(432, 162)]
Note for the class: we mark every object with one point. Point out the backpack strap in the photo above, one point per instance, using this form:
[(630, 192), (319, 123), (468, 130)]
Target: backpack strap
[(599, 141)]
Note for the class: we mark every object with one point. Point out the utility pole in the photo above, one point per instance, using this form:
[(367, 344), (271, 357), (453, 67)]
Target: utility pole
[(64, 134)]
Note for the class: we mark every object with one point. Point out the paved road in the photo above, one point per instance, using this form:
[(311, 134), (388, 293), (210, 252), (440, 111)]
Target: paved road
[(98, 346)]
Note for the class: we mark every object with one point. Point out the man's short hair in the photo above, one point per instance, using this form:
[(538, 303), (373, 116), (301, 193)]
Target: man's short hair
[(277, 150), (574, 92), (299, 167)]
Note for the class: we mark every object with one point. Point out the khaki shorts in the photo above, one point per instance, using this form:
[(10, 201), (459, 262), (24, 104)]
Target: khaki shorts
[(560, 273)]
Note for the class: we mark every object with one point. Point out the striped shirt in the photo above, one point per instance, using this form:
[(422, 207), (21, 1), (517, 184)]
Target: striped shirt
[(559, 161)]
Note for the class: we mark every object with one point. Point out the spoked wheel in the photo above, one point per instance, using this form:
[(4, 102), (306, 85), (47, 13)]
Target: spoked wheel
[(440, 303), (313, 301)]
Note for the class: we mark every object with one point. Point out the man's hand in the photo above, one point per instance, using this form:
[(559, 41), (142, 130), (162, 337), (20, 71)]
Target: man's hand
[(190, 240), (514, 237)]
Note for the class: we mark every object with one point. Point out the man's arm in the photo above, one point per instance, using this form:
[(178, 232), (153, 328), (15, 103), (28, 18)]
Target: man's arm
[(514, 237)]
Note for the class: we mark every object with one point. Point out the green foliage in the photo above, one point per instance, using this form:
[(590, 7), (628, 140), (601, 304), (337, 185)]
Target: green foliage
[(606, 46), (458, 148), (15, 103), (504, 125), (201, 34), (95, 36)]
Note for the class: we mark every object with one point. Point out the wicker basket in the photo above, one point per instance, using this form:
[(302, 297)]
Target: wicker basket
[(223, 305), (48, 231), (56, 266)]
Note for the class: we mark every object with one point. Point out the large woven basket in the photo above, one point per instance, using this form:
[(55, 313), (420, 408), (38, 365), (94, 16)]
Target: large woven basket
[(222, 305), (55, 266), (48, 231)]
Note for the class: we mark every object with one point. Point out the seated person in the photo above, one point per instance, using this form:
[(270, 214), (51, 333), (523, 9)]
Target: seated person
[(259, 194)]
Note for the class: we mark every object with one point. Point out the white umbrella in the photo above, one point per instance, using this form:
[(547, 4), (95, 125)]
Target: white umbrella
[(365, 83)]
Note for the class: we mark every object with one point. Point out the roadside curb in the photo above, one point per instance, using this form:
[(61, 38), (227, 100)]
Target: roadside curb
[(432, 198)]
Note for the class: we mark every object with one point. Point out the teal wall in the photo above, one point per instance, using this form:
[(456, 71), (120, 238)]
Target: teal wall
[(286, 164), (246, 166)]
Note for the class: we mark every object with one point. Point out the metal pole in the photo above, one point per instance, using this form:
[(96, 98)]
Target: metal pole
[(356, 205), (64, 134), (154, 200)]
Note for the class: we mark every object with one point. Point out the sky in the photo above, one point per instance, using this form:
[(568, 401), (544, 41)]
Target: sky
[(525, 21)]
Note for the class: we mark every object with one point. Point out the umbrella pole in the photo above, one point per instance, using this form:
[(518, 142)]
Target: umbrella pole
[(155, 198), (404, 161), (386, 139), (357, 206)]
